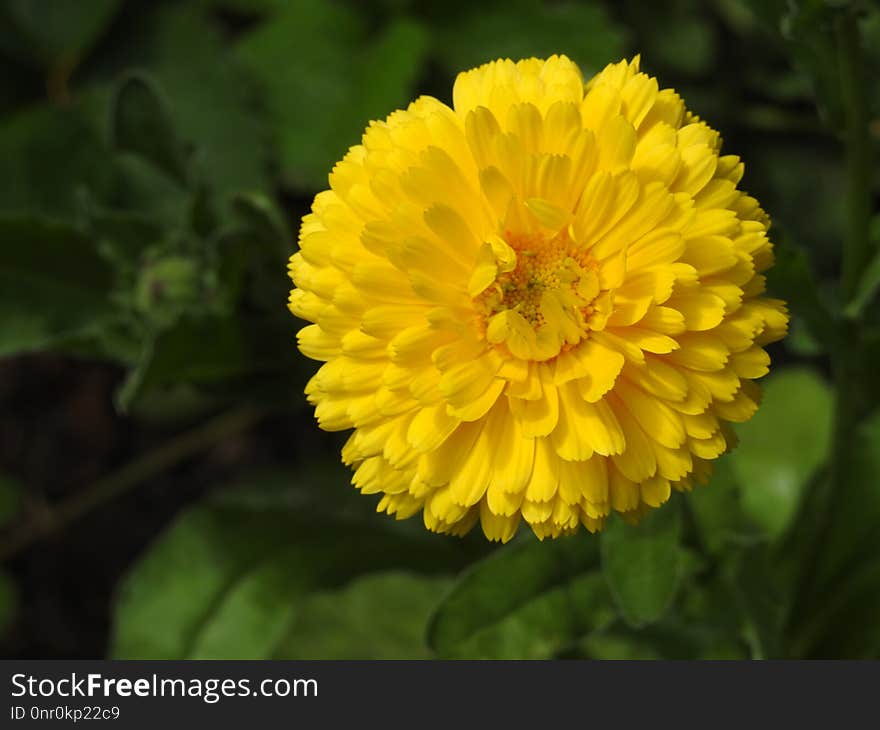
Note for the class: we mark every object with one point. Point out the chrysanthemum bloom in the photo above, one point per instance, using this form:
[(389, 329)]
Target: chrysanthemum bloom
[(544, 303)]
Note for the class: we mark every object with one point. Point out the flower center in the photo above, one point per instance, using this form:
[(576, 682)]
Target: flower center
[(546, 301)]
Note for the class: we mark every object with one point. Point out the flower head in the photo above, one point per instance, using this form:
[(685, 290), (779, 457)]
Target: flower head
[(544, 303)]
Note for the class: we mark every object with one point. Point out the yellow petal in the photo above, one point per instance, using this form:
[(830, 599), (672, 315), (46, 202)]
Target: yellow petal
[(498, 527), (430, 427), (655, 491), (537, 417), (551, 216), (701, 310), (481, 128), (545, 474), (567, 440), (656, 418), (600, 366), (617, 143), (513, 457), (479, 406), (623, 492), (471, 479), (485, 271), (658, 378), (662, 246), (598, 425), (700, 351), (637, 461)]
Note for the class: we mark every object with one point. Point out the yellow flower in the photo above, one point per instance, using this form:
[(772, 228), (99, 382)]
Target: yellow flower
[(544, 303)]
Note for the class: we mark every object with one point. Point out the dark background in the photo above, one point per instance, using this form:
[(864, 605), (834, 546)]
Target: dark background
[(166, 151)]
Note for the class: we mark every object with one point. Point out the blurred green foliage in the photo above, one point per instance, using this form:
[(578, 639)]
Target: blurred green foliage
[(775, 468), (156, 159)]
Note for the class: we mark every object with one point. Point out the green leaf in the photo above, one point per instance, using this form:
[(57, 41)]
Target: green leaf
[(213, 351), (248, 7), (675, 639), (254, 612), (706, 624), (617, 645), (262, 220), (806, 27), (527, 600), (644, 564), (52, 284), (760, 595), (719, 513), (322, 97), (792, 279), (212, 100), (523, 28), (48, 154), (845, 625), (800, 340), (377, 616), (782, 447), (855, 509), (53, 31), (122, 236), (253, 253), (867, 288), (184, 576), (808, 215), (322, 487), (390, 67), (185, 290), (145, 190), (225, 580), (141, 125), (307, 91)]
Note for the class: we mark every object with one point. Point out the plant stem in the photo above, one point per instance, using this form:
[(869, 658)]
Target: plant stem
[(136, 472), (847, 361), (856, 245), (848, 367)]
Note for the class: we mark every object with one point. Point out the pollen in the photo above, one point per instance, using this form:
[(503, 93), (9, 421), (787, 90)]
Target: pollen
[(552, 287)]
